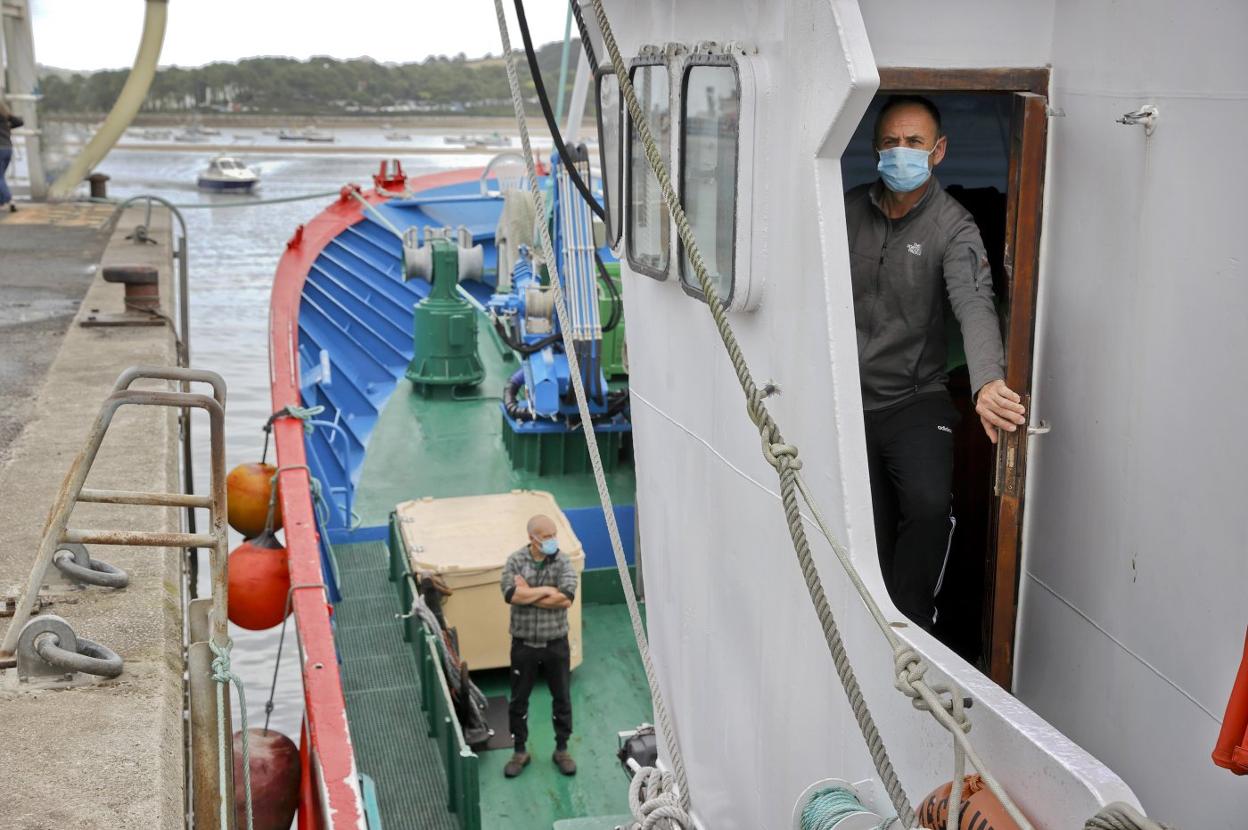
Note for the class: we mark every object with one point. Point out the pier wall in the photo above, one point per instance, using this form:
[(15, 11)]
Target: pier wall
[(108, 754)]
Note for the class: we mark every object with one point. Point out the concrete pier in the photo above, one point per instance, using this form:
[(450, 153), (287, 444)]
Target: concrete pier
[(108, 754)]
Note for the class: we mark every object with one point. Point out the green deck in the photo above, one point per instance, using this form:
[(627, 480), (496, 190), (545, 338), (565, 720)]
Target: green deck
[(429, 447), (390, 732), (441, 448)]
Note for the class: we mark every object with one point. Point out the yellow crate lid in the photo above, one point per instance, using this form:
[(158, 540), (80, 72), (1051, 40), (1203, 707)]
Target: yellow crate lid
[(477, 533)]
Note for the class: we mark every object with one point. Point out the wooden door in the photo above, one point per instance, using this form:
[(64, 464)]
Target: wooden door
[(1029, 129)]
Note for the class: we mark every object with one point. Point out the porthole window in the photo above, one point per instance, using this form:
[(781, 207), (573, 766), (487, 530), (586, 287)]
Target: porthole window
[(648, 240), (710, 145), (611, 153)]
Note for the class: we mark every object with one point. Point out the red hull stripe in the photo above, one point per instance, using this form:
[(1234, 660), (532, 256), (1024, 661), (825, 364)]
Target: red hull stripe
[(329, 740)]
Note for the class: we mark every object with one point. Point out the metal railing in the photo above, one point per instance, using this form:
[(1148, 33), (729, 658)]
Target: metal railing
[(208, 626), (461, 764)]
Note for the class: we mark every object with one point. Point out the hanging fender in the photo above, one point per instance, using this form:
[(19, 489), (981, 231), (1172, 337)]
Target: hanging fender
[(1231, 751)]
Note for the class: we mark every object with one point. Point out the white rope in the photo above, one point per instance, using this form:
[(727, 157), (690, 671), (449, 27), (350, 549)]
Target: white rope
[(909, 668), (681, 781)]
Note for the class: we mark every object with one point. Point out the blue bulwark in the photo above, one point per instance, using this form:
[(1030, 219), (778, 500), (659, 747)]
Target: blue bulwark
[(590, 527)]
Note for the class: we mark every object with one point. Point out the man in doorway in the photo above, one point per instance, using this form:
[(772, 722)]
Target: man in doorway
[(540, 583), (911, 247)]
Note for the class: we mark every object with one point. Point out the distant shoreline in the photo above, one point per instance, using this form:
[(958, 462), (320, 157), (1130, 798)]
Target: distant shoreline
[(466, 123), (395, 151)]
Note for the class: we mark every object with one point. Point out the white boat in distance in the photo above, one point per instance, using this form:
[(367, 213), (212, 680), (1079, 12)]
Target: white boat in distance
[(310, 134), (225, 173)]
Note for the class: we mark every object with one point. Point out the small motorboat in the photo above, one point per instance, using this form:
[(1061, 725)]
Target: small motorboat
[(310, 134), (226, 173), (398, 136)]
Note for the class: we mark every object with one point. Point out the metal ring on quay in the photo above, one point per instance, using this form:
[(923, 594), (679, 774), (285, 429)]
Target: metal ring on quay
[(80, 567), (90, 657)]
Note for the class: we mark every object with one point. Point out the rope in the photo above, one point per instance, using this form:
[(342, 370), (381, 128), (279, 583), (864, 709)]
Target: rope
[(828, 808), (681, 781), (782, 456), (223, 676), (302, 197), (1121, 816), (651, 800), (304, 414)]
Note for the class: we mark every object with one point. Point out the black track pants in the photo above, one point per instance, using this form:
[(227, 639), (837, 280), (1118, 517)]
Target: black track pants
[(556, 660), (910, 458)]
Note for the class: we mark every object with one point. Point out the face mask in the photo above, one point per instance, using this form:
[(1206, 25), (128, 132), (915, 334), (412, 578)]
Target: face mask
[(904, 169), (550, 546)]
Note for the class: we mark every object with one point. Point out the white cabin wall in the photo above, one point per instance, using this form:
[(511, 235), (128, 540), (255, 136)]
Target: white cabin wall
[(1135, 500), (744, 668), (966, 35)]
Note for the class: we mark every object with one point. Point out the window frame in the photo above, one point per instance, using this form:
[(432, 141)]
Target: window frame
[(615, 219), (692, 62), (647, 60)]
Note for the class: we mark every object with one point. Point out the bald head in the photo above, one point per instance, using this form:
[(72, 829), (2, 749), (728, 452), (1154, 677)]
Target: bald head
[(541, 526)]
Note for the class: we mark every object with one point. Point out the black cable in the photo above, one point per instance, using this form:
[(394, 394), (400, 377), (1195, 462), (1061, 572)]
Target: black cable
[(524, 348), (584, 31), (549, 115)]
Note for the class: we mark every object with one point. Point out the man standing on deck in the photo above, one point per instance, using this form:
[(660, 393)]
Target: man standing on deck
[(911, 246), (539, 583)]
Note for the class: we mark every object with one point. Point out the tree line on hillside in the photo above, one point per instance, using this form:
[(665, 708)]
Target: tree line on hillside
[(320, 85)]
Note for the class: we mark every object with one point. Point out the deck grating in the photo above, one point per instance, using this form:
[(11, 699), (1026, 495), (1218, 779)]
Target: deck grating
[(382, 690)]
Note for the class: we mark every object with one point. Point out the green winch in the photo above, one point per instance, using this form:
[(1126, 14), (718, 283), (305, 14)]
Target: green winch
[(444, 350)]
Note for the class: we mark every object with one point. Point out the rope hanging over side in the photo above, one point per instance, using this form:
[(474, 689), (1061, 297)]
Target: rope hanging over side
[(223, 676), (681, 780), (1121, 816)]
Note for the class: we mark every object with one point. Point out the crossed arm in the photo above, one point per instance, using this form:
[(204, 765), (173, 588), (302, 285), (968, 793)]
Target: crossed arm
[(543, 596)]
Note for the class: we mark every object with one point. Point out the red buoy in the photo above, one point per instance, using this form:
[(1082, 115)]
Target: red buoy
[(933, 812), (259, 580), (247, 490), (985, 812), (1231, 750), (275, 774)]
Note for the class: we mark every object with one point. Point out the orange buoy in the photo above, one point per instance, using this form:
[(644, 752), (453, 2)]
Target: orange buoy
[(247, 489), (259, 580), (275, 774), (933, 811), (1231, 750), (984, 812)]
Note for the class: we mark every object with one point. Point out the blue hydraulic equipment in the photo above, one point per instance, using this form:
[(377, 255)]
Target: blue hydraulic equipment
[(542, 423)]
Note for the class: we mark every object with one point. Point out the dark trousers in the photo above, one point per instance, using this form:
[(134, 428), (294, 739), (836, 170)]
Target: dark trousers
[(910, 458), (6, 155), (555, 658)]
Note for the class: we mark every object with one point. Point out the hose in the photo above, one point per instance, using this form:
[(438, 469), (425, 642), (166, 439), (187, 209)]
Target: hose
[(511, 398), (617, 302), (523, 348)]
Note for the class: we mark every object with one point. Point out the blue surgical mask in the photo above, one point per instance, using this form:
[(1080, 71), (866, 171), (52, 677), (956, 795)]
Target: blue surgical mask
[(904, 169), (550, 546)]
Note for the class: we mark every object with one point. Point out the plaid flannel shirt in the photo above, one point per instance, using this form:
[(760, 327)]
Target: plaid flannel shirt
[(528, 622)]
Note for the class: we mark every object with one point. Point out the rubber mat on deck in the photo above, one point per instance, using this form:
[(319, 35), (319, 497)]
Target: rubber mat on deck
[(382, 689)]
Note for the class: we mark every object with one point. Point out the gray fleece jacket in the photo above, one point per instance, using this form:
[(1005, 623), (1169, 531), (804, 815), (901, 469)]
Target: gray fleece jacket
[(902, 270)]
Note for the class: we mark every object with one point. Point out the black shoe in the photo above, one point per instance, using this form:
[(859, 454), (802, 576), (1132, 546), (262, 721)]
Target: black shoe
[(564, 762), (516, 765), (12, 208)]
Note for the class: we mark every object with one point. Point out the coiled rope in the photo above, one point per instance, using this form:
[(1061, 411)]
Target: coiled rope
[(829, 807), (675, 807)]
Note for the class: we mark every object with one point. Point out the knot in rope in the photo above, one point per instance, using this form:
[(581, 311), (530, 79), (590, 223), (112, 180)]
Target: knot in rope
[(654, 803), (222, 674), (910, 673), (302, 413), (782, 456), (221, 662)]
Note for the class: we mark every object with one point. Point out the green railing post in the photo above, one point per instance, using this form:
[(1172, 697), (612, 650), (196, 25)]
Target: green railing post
[(470, 789), (450, 760)]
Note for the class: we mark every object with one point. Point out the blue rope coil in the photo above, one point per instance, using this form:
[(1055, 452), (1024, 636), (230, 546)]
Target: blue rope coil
[(829, 807)]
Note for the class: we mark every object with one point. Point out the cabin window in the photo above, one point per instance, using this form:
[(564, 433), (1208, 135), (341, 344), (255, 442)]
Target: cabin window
[(610, 117), (709, 141), (649, 228)]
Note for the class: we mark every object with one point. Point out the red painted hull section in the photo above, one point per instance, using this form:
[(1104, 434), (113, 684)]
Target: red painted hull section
[(332, 797)]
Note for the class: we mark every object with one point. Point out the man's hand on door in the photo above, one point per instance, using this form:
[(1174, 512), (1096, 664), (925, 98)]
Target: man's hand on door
[(999, 407)]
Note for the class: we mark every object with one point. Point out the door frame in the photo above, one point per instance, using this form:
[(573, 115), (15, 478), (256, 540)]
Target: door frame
[(1029, 87)]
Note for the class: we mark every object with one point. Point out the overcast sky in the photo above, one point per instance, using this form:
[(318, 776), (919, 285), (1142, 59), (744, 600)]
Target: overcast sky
[(104, 34)]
